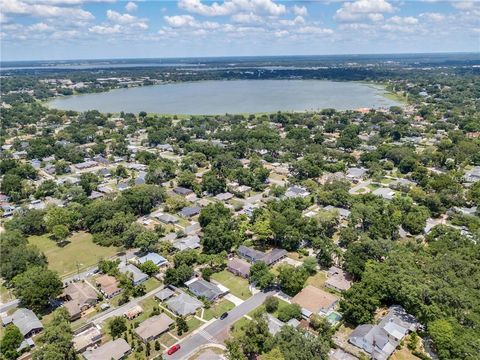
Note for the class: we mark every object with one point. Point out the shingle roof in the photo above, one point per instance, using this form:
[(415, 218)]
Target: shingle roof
[(116, 350), (164, 294), (203, 288), (184, 304), (153, 326), (25, 320)]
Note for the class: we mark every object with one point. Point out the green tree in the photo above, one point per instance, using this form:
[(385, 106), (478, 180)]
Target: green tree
[(60, 233), (290, 311), (146, 240), (11, 340), (148, 267), (182, 326), (291, 279), (117, 326), (271, 304), (261, 276), (36, 286)]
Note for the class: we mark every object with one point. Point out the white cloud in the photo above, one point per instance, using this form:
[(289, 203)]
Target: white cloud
[(131, 7), (363, 9), (464, 5), (435, 17), (230, 7), (297, 21), (409, 20), (300, 10), (106, 29), (314, 30), (116, 17), (40, 27), (245, 18), (17, 7), (375, 17), (181, 21)]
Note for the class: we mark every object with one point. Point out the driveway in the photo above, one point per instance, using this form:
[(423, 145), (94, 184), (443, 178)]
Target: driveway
[(211, 333)]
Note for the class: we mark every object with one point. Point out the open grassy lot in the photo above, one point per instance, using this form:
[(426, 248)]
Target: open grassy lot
[(239, 326), (261, 308), (151, 284), (80, 251), (318, 280), (6, 295), (237, 285), (218, 309)]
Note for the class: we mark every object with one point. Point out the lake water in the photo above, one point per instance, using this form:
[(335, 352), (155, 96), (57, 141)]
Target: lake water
[(235, 96)]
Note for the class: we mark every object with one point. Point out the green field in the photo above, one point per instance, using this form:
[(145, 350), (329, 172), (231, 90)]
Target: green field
[(79, 254), (317, 280), (238, 286)]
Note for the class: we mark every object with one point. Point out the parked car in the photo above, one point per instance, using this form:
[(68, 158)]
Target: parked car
[(224, 315), (173, 349)]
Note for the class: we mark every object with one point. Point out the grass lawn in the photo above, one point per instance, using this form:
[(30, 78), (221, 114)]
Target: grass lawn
[(317, 280), (403, 354), (238, 327), (193, 323), (79, 251), (151, 284), (167, 340), (5, 295), (261, 308), (237, 285), (218, 309)]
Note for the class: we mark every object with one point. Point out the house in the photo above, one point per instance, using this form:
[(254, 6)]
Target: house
[(313, 300), (385, 193), (7, 210), (356, 174), (189, 242), (344, 213), (133, 312), (25, 320), (87, 338), (472, 175), (182, 191), (205, 289), (239, 267), (381, 340), (164, 294), (117, 349), (80, 296), (138, 276), (275, 325), (224, 196), (95, 195), (157, 259), (338, 279), (339, 354), (108, 286), (153, 327), (189, 211), (254, 256), (296, 191), (167, 219), (184, 304)]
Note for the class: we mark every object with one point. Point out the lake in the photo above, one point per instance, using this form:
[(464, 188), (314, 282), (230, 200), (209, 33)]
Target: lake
[(234, 97)]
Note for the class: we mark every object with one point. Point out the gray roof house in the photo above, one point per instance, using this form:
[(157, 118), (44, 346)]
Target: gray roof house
[(203, 288), (189, 211), (153, 327), (138, 276), (385, 193), (182, 191), (189, 242), (116, 349), (164, 294), (254, 256), (381, 340), (184, 304), (239, 267), (168, 219), (26, 321), (296, 191), (355, 173)]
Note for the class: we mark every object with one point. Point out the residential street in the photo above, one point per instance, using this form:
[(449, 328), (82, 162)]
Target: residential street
[(208, 334)]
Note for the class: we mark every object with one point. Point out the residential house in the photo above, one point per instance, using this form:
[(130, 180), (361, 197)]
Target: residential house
[(167, 219), (189, 211), (189, 242), (157, 259), (356, 174), (117, 349), (184, 304), (108, 286), (313, 300), (87, 338), (224, 196), (344, 213), (182, 191), (380, 341), (296, 191), (275, 325), (138, 276), (153, 327), (133, 312), (239, 267), (472, 175), (164, 294), (204, 289), (25, 320), (254, 256), (386, 193), (338, 279), (80, 296)]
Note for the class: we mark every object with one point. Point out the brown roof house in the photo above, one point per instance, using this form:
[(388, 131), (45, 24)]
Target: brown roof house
[(116, 350), (338, 279), (80, 296), (108, 286), (153, 327), (315, 301), (239, 267)]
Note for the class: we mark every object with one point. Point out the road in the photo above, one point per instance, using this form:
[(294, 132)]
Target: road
[(207, 335), (360, 185), (10, 305)]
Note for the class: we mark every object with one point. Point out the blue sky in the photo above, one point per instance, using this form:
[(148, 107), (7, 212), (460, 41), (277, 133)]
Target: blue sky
[(89, 29)]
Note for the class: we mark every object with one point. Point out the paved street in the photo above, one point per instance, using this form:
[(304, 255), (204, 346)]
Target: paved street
[(208, 334)]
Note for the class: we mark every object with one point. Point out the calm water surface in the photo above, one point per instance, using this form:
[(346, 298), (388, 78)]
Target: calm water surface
[(235, 96)]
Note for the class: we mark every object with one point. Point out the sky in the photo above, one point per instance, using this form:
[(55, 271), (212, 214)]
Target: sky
[(96, 29)]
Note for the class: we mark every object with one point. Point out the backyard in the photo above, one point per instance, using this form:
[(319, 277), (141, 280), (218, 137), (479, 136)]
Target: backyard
[(238, 286), (218, 309), (79, 254)]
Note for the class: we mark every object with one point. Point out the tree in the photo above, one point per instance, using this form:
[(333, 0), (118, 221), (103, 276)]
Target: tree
[(292, 279), (261, 276), (256, 338), (271, 304), (182, 326), (218, 237), (234, 350), (57, 338), (274, 354), (320, 324), (178, 276), (36, 286), (299, 345), (148, 267), (11, 340), (117, 326), (60, 233), (290, 311), (213, 213), (146, 240), (213, 183), (310, 265)]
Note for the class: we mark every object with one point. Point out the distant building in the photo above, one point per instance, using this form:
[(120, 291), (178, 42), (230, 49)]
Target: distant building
[(254, 256), (338, 279), (108, 286), (296, 191), (117, 349), (138, 276), (189, 242), (205, 289), (189, 211), (153, 327), (157, 259), (184, 304), (25, 320), (239, 267), (313, 300)]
